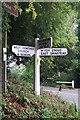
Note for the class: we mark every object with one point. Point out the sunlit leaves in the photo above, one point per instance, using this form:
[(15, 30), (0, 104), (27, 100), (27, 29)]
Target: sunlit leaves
[(16, 6), (31, 9)]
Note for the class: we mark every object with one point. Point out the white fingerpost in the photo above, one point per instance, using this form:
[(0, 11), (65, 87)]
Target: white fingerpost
[(73, 84), (37, 69)]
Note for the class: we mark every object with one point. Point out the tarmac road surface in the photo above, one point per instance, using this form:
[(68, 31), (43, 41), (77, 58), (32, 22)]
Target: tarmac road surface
[(70, 95)]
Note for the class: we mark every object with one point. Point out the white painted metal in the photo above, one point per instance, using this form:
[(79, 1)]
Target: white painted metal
[(66, 82), (53, 52), (63, 82), (73, 84), (25, 54), (44, 43), (24, 51), (37, 69), (4, 54), (17, 47)]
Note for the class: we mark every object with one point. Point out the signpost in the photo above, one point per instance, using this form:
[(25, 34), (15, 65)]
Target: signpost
[(44, 43), (24, 51), (28, 51), (53, 52), (9, 7), (37, 68), (39, 44)]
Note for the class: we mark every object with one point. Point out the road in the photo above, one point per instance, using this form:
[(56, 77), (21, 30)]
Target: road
[(70, 95)]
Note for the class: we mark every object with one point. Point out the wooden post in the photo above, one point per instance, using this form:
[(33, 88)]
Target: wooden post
[(73, 84)]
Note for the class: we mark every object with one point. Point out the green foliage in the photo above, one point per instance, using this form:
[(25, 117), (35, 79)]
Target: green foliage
[(58, 20), (28, 73), (17, 70), (0, 105), (31, 9), (5, 22), (72, 109), (23, 72), (45, 113), (66, 76), (16, 6), (63, 86), (24, 103), (68, 66)]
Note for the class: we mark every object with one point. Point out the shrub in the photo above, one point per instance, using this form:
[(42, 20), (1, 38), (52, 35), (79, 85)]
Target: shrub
[(23, 72), (66, 76)]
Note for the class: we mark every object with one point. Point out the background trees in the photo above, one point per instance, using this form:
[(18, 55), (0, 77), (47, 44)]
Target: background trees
[(59, 20)]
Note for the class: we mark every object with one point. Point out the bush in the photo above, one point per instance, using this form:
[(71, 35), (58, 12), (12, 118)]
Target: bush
[(66, 76), (63, 86), (23, 72)]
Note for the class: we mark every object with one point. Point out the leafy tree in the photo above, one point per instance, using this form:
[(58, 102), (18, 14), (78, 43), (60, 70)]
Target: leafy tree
[(58, 20), (77, 68)]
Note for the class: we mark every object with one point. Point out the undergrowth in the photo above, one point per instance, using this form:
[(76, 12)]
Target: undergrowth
[(20, 102)]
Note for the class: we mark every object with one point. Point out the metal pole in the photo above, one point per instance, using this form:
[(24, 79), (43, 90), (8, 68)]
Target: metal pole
[(37, 69), (5, 63), (5, 59)]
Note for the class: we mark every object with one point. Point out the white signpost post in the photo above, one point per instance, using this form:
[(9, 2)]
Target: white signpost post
[(40, 49), (39, 44), (37, 69)]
